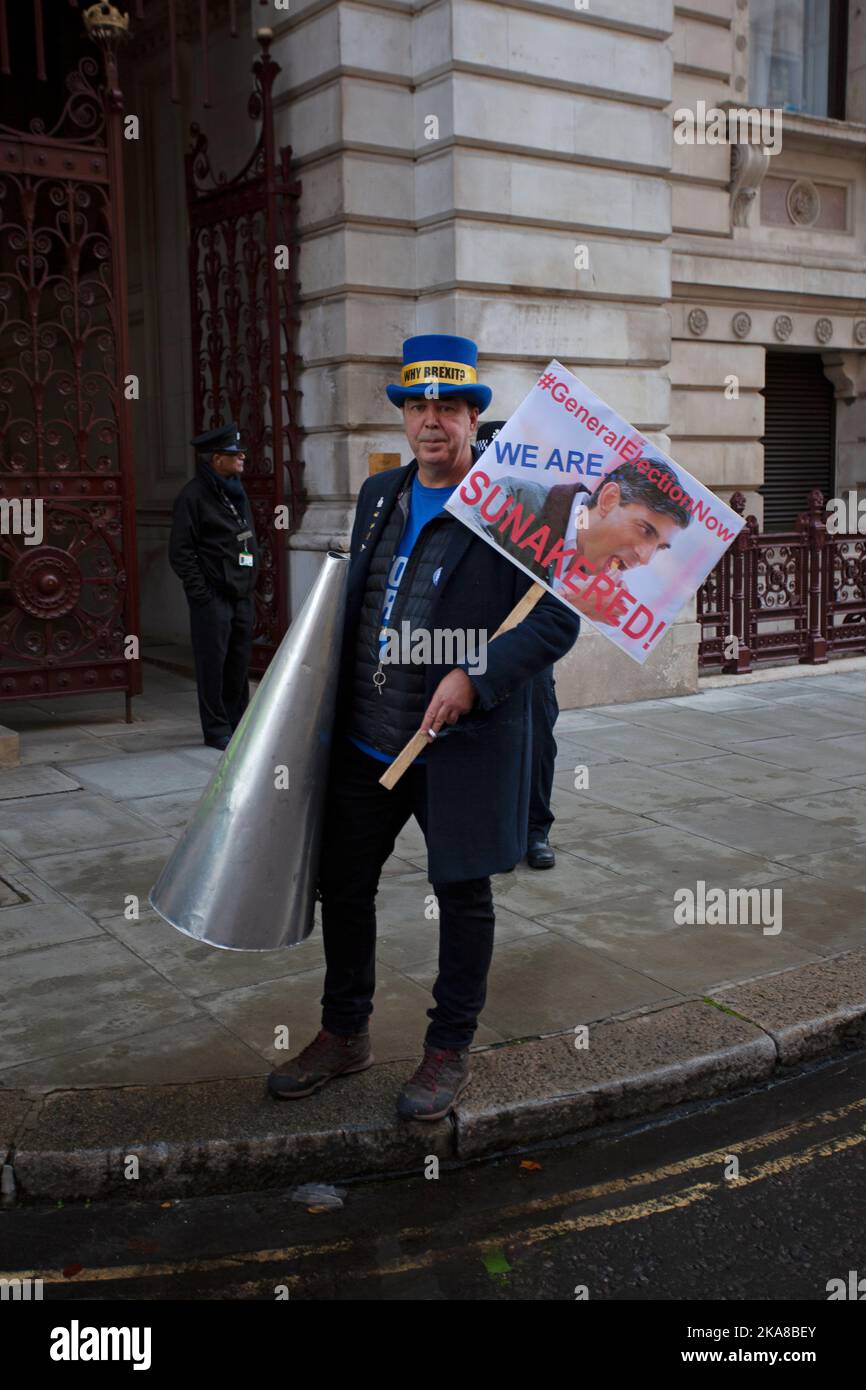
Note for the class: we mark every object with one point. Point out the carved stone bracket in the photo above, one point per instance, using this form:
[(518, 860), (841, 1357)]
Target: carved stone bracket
[(847, 372), (749, 165)]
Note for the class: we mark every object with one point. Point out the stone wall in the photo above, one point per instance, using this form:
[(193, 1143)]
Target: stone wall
[(453, 156), (755, 272)]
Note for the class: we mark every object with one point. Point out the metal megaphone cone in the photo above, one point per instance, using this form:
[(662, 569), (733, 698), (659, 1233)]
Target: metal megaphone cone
[(243, 875)]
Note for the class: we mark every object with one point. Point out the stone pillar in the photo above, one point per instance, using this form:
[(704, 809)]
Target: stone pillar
[(454, 161)]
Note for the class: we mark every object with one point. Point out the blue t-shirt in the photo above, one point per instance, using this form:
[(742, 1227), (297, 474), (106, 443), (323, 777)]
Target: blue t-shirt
[(424, 504)]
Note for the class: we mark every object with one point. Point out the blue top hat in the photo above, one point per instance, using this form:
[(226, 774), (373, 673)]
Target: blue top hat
[(443, 361)]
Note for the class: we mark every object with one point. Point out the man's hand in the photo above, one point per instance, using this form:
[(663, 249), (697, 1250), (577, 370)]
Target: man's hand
[(453, 696)]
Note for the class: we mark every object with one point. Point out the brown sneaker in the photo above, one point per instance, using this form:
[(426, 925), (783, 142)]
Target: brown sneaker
[(444, 1073), (327, 1056)]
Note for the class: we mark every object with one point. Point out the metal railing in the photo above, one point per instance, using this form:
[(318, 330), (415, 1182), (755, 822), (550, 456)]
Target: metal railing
[(795, 595)]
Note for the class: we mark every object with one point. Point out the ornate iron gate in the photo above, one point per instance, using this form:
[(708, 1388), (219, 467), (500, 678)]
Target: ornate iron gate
[(243, 322), (68, 584)]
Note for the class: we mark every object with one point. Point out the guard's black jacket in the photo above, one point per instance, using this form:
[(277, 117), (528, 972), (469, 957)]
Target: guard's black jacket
[(478, 775), (204, 547)]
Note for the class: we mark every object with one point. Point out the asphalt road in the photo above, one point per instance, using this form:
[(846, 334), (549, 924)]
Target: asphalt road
[(757, 1198)]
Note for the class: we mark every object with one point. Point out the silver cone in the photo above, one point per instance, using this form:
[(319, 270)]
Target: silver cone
[(243, 876)]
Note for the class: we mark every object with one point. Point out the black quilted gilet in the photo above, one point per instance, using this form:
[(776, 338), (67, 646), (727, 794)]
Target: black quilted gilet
[(388, 720)]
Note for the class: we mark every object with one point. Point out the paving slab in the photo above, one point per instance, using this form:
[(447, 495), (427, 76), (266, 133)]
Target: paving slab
[(397, 1026), (81, 993), (812, 918), (690, 959), (630, 1067), (407, 945), (19, 782), (630, 741), (32, 926), (99, 882), (579, 721), (574, 816), (534, 894), (545, 984), (199, 1050), (826, 1009), (759, 828), (835, 758), (219, 1136), (635, 789), (172, 812), (198, 969), (63, 746), (35, 827), (715, 728), (207, 757), (725, 699), (570, 751), (835, 703), (665, 857), (182, 740), (844, 681), (797, 718), (845, 867), (750, 777), (155, 723), (844, 809), (142, 774)]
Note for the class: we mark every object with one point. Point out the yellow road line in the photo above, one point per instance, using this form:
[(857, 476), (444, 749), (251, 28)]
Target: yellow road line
[(531, 1236)]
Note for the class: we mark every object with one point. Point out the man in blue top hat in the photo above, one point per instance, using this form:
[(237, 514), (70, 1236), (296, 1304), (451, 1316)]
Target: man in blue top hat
[(415, 568), (214, 552)]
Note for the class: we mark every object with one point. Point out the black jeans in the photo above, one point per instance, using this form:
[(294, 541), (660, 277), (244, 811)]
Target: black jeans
[(362, 822), (545, 712), (222, 643)]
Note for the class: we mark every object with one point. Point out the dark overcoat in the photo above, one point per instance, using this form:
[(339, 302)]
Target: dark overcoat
[(478, 774), (203, 547)]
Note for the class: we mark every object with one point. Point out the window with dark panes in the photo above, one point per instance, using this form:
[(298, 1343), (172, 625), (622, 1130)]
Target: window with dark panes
[(797, 55)]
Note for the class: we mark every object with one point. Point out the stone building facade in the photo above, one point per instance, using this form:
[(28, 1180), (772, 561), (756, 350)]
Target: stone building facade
[(454, 156)]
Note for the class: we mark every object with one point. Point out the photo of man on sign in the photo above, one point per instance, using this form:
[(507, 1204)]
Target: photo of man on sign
[(598, 515), (626, 522)]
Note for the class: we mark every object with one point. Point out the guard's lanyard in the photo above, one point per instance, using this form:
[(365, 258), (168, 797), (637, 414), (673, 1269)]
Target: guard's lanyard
[(243, 536)]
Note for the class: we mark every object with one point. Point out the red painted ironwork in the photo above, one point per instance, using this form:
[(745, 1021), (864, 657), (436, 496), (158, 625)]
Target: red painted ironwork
[(68, 599), (243, 331), (5, 63), (172, 49), (202, 9), (40, 40), (784, 595)]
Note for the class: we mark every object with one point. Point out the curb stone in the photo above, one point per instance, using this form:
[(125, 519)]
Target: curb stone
[(228, 1135)]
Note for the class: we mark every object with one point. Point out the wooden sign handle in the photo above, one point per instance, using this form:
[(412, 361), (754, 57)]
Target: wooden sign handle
[(418, 742)]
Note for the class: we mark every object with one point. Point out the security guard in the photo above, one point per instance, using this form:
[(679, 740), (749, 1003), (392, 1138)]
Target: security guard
[(214, 552)]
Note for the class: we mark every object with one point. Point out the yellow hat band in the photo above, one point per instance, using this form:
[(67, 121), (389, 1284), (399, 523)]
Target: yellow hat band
[(448, 373)]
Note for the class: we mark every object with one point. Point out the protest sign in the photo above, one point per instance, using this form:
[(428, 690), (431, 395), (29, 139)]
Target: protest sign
[(602, 518)]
